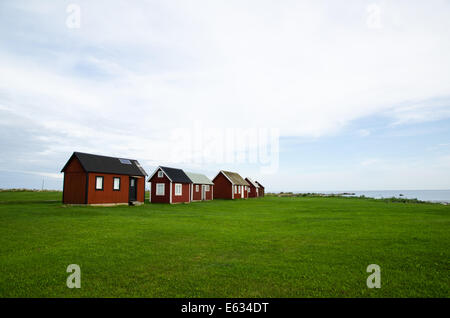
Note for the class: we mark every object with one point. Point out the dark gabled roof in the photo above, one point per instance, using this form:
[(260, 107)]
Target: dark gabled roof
[(260, 185), (176, 175), (104, 164), (234, 177)]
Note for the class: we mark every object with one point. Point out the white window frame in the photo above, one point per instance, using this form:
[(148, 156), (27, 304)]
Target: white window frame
[(96, 183), (239, 189), (235, 189), (178, 189), (158, 189), (207, 188), (114, 183), (196, 188), (160, 174)]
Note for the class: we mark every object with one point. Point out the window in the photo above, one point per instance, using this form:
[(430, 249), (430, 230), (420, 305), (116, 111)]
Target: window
[(160, 174), (98, 183), (196, 188), (235, 189), (160, 188), (239, 189), (116, 184), (249, 190), (178, 189), (207, 187), (125, 161)]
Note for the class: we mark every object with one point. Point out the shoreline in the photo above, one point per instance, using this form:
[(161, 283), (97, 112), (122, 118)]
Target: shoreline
[(399, 198)]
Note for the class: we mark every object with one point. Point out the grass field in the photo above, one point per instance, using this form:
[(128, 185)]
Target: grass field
[(268, 247)]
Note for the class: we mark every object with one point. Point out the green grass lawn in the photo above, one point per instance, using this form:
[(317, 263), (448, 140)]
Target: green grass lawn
[(267, 247)]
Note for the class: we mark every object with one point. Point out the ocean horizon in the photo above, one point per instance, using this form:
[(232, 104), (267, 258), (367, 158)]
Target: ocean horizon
[(423, 195)]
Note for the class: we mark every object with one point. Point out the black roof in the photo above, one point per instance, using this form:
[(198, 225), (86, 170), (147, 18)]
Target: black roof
[(259, 184), (104, 164), (176, 175)]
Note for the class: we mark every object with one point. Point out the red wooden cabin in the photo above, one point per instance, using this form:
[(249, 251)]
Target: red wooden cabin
[(253, 190), (94, 179), (261, 189), (169, 185), (202, 188), (230, 185)]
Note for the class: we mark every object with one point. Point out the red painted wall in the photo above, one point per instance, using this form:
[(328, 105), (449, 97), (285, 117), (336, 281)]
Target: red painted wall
[(185, 193), (157, 198), (242, 194), (140, 195), (261, 191), (253, 190), (74, 183), (209, 194), (222, 187), (108, 195), (197, 196)]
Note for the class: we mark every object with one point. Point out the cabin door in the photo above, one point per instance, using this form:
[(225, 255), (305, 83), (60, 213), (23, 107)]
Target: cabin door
[(133, 186), (203, 192)]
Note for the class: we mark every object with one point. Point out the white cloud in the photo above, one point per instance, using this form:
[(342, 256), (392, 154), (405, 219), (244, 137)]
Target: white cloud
[(364, 132), (307, 68), (421, 112)]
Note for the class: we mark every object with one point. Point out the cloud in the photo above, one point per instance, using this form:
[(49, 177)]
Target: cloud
[(134, 72), (421, 111), (364, 132)]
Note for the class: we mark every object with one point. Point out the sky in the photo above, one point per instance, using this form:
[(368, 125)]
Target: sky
[(299, 95)]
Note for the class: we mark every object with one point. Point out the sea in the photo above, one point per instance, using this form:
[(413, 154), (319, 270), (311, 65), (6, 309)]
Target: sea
[(442, 196)]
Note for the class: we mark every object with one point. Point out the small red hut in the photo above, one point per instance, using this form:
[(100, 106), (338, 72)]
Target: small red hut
[(202, 188), (94, 179), (230, 185), (253, 189), (169, 185), (260, 189)]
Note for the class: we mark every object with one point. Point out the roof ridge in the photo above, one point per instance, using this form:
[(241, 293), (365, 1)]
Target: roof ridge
[(93, 154), (175, 174), (106, 164)]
